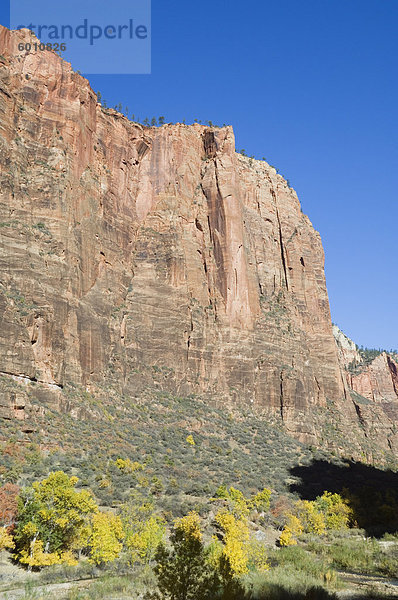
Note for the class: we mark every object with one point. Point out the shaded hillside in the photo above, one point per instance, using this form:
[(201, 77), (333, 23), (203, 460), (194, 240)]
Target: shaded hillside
[(373, 493)]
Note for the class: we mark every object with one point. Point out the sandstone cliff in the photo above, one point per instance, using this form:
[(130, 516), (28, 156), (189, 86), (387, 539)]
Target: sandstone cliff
[(346, 348), (372, 385), (134, 257)]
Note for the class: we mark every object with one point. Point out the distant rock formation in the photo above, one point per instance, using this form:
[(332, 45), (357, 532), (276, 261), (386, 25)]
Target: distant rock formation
[(347, 349), (373, 385)]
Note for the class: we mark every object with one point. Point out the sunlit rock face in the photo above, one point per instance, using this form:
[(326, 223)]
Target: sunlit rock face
[(373, 387), (129, 250)]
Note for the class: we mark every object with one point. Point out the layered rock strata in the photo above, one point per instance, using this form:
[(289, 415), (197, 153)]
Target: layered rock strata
[(129, 252)]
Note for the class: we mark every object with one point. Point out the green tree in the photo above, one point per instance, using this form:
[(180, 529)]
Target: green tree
[(143, 528), (232, 589), (182, 572)]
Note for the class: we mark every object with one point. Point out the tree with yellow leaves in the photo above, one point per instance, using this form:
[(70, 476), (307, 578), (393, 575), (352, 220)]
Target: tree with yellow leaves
[(312, 520), (51, 517), (291, 531), (239, 504), (286, 538), (6, 541), (235, 532), (258, 558), (261, 500), (37, 557), (128, 466), (326, 512), (235, 500), (143, 542), (106, 535), (306, 518), (336, 510), (144, 529)]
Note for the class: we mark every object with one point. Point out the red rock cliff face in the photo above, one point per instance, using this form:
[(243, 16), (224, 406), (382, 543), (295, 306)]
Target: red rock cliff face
[(127, 250), (379, 381), (373, 387)]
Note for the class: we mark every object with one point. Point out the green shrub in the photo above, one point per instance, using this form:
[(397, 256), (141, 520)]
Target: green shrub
[(286, 583), (300, 560), (358, 555)]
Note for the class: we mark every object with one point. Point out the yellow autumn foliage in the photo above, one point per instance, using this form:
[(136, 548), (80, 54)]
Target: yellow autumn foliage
[(327, 512), (127, 466), (261, 500), (336, 510), (144, 529), (294, 525), (143, 541), (106, 537), (37, 557), (189, 526), (292, 529), (236, 537), (6, 541), (311, 519), (52, 520), (286, 538), (214, 552), (239, 504)]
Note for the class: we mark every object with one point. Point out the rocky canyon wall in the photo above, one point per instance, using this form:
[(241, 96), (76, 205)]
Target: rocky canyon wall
[(129, 252)]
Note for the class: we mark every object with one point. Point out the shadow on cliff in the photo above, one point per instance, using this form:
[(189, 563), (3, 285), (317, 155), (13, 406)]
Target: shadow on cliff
[(372, 492)]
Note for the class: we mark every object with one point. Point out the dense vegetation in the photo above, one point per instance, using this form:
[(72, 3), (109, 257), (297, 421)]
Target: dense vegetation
[(220, 555), (106, 489), (155, 431), (223, 554)]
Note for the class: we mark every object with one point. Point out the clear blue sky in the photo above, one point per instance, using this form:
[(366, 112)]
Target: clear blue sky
[(313, 87)]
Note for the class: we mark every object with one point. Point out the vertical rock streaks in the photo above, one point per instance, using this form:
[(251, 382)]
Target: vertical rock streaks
[(126, 249)]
